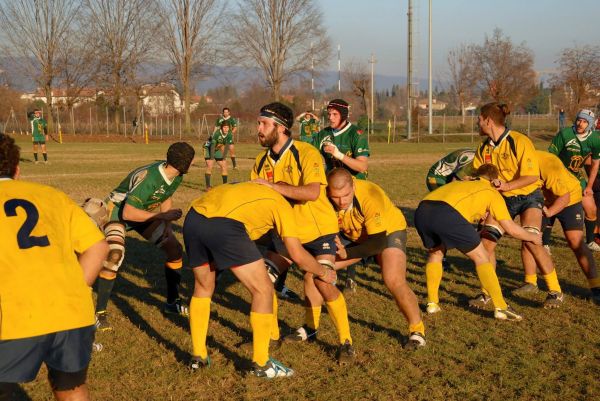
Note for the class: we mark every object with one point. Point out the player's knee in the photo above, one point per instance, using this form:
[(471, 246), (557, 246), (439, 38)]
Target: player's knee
[(115, 236), (492, 233)]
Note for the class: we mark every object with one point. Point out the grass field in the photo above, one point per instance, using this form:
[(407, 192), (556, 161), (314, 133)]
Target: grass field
[(550, 355)]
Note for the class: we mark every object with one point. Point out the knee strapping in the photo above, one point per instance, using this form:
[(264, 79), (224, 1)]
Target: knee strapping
[(491, 232), (115, 236)]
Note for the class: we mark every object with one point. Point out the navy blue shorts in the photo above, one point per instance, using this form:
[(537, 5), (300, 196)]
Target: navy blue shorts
[(271, 242), (571, 218), (218, 240), (67, 355), (440, 224), (519, 203)]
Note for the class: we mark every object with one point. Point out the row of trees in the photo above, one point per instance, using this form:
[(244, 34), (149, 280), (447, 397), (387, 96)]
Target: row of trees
[(115, 44)]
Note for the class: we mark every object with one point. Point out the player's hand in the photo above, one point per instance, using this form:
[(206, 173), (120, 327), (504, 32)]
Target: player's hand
[(538, 239), (262, 181), (330, 276), (588, 191), (546, 212), (341, 249), (170, 215), (329, 147), (500, 185)]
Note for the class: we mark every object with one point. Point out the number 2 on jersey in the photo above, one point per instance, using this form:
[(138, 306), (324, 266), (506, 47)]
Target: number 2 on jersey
[(24, 237)]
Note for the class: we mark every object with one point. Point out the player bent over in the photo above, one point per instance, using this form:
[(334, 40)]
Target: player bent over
[(142, 202), (563, 201), (444, 221), (51, 255), (218, 232), (371, 225)]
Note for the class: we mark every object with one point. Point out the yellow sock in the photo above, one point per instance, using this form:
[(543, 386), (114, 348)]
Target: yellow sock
[(489, 281), (275, 324), (312, 317), (199, 317), (419, 328), (552, 281), (339, 313), (433, 273), (531, 279), (594, 282), (261, 329)]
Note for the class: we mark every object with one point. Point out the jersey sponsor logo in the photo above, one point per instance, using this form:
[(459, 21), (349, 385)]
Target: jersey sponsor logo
[(289, 169), (488, 158), (505, 156), (269, 173), (359, 150)]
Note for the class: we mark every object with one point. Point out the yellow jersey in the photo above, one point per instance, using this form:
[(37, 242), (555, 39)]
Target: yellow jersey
[(557, 180), (371, 212), (297, 164), (42, 288), (258, 207), (472, 199), (514, 155)]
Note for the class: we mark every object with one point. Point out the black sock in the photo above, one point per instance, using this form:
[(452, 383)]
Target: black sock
[(280, 282), (233, 161), (104, 289), (45, 156), (35, 156), (590, 225), (207, 180), (173, 277), (546, 234), (224, 177)]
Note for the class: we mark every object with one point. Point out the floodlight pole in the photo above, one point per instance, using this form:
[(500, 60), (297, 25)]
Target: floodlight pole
[(372, 62), (430, 78), (339, 70), (409, 85), (312, 76)]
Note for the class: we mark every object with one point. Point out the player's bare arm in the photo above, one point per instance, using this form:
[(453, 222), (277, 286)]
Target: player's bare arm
[(557, 206), (131, 213), (91, 261), (302, 193), (517, 183)]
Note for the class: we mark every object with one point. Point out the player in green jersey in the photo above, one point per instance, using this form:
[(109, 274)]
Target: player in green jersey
[(574, 146), (309, 125), (142, 202), (454, 166), (233, 125), (216, 151), (39, 134)]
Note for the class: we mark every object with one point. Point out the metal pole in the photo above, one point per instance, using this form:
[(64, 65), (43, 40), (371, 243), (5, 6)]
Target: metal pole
[(430, 79), (528, 123), (339, 70), (409, 72), (372, 61), (125, 121), (312, 77)]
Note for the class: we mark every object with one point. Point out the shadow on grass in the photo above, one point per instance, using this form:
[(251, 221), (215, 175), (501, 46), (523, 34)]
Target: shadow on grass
[(14, 392)]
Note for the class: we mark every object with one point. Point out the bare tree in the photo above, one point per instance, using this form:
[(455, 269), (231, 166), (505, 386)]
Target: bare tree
[(281, 37), (578, 76), (189, 31), (462, 76), (125, 34), (504, 71), (34, 31), (358, 77)]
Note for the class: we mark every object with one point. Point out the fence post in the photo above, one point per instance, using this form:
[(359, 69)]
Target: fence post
[(528, 123), (444, 128), (90, 121)]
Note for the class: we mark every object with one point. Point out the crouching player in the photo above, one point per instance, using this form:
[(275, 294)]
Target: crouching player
[(444, 221), (372, 225), (455, 165), (563, 201), (51, 255), (218, 233), (142, 202)]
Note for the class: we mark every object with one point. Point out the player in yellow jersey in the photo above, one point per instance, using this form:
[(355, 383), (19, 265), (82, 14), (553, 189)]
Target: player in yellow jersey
[(218, 232), (51, 255), (514, 155), (295, 170), (562, 201), (370, 225), (444, 221)]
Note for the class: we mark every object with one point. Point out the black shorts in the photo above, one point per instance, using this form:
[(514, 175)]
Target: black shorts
[(39, 142), (217, 240), (324, 245), (440, 224), (66, 353), (571, 218), (396, 239), (519, 203)]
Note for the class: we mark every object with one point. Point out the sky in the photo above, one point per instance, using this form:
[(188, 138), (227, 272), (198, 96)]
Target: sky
[(380, 27)]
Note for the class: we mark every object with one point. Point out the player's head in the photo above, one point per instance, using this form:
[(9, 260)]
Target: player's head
[(225, 126), (274, 119), (226, 112), (492, 114), (337, 112), (487, 171), (37, 112), (585, 121), (10, 154), (180, 155), (340, 188)]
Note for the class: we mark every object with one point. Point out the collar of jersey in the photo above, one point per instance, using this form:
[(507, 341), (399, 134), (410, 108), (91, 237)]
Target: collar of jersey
[(161, 169), (276, 156), (504, 135), (340, 132)]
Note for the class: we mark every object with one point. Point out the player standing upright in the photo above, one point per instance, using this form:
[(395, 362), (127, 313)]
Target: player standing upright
[(216, 151), (309, 125), (574, 146), (39, 134), (233, 127), (51, 255)]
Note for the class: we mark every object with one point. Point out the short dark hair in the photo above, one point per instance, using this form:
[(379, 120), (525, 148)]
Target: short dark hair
[(487, 171), (225, 108), (280, 113), (180, 155), (10, 155)]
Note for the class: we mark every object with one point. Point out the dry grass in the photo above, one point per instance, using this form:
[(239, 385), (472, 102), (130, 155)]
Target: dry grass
[(551, 355)]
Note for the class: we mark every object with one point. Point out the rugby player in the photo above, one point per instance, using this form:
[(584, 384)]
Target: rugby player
[(215, 150), (455, 165), (218, 232), (309, 125), (143, 202), (370, 225), (295, 170), (51, 255), (519, 183), (444, 221), (39, 134), (574, 146), (233, 125)]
